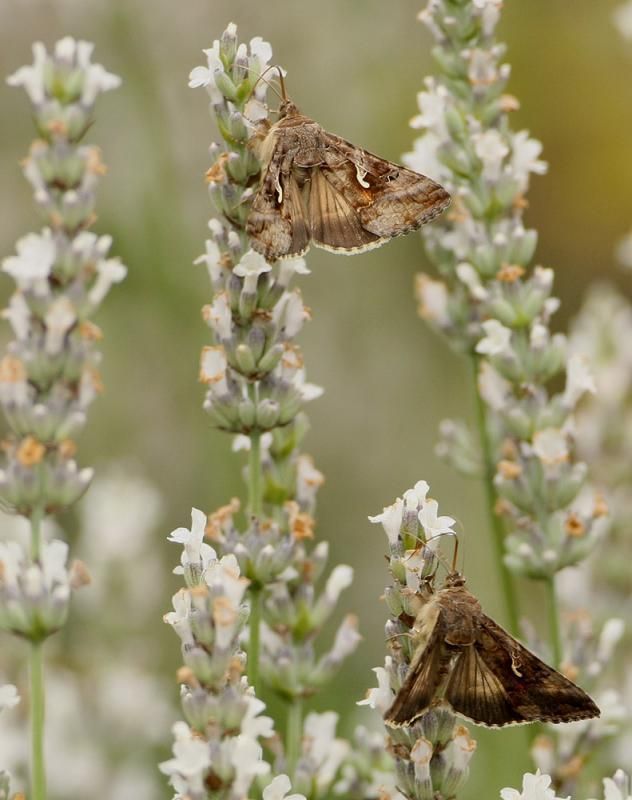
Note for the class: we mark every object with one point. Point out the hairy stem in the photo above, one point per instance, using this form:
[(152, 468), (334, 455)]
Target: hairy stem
[(554, 622), (254, 639), (294, 734), (36, 533), (495, 523), (255, 499), (38, 770)]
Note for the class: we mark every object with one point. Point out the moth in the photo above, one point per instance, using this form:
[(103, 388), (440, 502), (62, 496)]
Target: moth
[(316, 187), (465, 658)]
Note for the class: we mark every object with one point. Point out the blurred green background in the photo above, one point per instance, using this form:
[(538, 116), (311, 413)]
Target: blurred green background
[(355, 66)]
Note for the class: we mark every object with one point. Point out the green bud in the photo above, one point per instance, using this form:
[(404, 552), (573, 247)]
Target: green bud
[(398, 570), (247, 304), (237, 127), (234, 292), (476, 202), (290, 406), (393, 601), (519, 423), (566, 488), (485, 260), (504, 310), (256, 341), (228, 45), (267, 414), (271, 358), (226, 86), (456, 124), (245, 359), (236, 169), (247, 413), (532, 302)]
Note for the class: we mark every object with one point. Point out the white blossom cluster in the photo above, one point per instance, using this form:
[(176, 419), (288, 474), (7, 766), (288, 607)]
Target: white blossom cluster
[(128, 702), (431, 756), (35, 594), (491, 306), (537, 786), (254, 371), (494, 307), (603, 432), (9, 698), (49, 375), (561, 749), (256, 389), (218, 749)]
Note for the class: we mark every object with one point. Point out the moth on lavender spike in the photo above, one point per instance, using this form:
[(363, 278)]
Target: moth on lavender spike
[(464, 658), (317, 187)]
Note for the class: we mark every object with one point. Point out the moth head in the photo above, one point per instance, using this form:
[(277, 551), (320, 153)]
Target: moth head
[(453, 580), (287, 109)]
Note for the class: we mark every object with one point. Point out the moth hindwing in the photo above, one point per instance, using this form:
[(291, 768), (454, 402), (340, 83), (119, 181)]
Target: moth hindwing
[(316, 187), (484, 673)]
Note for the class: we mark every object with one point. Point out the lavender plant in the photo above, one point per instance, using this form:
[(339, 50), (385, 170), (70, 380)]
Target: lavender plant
[(263, 574), (432, 756), (49, 375), (492, 307), (538, 787), (124, 703), (9, 698)]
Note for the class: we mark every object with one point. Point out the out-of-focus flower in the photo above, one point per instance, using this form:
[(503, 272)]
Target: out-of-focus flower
[(9, 697), (622, 18), (534, 787)]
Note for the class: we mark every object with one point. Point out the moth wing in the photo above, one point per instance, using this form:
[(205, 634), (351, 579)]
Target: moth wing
[(277, 223), (504, 683), (425, 674), (334, 219), (476, 692), (397, 200)]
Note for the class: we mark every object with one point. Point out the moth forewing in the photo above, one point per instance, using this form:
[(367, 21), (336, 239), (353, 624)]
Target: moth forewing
[(340, 197), (487, 676)]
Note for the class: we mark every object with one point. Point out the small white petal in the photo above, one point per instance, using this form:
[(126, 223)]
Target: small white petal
[(497, 339)]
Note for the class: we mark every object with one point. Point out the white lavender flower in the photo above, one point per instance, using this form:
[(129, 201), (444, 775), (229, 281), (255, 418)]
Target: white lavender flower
[(62, 274), (35, 593), (622, 18), (493, 308), (431, 756), (9, 697), (534, 787), (219, 744)]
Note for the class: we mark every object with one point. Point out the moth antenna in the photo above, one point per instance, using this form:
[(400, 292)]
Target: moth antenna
[(282, 82), (283, 95), (456, 550), (397, 635)]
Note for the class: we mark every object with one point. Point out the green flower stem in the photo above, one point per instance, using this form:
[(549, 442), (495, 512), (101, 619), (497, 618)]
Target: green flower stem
[(38, 770), (255, 637), (294, 734), (255, 498), (36, 533), (495, 523), (554, 622), (255, 505)]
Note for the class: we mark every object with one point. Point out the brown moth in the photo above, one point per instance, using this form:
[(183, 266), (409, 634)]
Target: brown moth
[(316, 187), (488, 677)]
